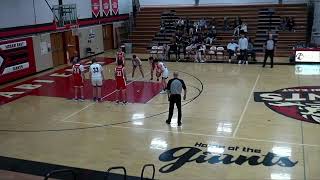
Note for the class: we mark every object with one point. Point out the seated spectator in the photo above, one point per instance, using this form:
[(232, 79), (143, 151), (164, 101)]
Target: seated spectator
[(196, 26), (212, 22), (232, 48), (244, 28), (202, 23), (251, 50), (180, 24), (236, 32), (290, 23), (283, 24)]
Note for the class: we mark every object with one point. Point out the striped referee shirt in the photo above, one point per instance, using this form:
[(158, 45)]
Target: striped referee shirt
[(176, 85)]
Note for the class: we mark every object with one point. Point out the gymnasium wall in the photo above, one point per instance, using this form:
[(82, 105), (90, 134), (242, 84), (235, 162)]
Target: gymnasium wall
[(92, 37), (42, 51), (212, 2), (16, 13)]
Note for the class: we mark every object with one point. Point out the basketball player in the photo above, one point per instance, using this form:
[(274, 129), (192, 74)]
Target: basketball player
[(78, 78), (136, 62), (97, 78), (121, 78), (163, 71), (120, 56), (152, 66)]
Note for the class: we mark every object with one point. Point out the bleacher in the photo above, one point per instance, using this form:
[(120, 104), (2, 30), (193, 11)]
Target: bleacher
[(149, 18)]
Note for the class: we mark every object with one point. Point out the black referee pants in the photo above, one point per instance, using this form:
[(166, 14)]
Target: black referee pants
[(175, 99), (268, 53)]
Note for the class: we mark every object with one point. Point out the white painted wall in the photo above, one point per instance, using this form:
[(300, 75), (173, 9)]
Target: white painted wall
[(212, 2), (96, 44), (15, 13), (43, 60), (165, 2)]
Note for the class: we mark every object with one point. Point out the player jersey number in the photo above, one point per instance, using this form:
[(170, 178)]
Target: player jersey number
[(95, 70), (76, 71), (119, 73)]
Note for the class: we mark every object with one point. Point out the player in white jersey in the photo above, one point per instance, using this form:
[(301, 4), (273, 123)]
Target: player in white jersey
[(163, 71), (136, 62), (97, 78)]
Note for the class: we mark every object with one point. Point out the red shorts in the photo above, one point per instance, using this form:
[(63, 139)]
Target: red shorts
[(77, 81), (153, 65), (121, 84)]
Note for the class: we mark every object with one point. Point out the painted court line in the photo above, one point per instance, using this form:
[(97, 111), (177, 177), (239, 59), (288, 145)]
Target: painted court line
[(198, 134), (216, 136), (73, 114), (246, 106)]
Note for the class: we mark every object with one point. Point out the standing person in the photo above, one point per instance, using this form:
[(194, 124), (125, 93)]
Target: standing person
[(243, 46), (97, 78), (136, 62), (78, 78), (121, 78), (120, 56), (163, 71), (152, 66), (175, 87), (269, 50)]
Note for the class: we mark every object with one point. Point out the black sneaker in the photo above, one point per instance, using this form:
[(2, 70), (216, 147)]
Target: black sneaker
[(94, 98), (168, 122), (99, 99), (125, 102), (179, 124), (117, 101)]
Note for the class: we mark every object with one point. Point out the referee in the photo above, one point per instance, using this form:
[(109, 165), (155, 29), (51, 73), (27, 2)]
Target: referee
[(175, 87), (269, 50)]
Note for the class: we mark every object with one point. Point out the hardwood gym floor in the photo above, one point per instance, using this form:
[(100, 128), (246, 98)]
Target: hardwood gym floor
[(240, 122)]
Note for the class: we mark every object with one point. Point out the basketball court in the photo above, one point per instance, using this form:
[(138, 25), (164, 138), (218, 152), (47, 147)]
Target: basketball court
[(230, 129)]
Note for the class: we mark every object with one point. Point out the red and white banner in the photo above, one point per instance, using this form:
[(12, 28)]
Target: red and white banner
[(106, 7), (16, 59), (95, 5), (115, 6)]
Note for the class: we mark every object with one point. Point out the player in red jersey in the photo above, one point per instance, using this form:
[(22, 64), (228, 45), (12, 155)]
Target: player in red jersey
[(78, 78), (152, 66), (120, 56), (121, 78)]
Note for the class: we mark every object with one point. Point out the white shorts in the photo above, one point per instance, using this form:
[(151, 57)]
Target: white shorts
[(96, 82), (165, 74)]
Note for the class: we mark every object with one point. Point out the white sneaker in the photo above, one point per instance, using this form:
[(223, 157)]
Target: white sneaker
[(163, 92), (247, 62), (239, 62), (229, 60), (202, 61)]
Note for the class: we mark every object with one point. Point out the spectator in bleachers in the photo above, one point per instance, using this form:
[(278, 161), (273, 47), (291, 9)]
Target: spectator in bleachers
[(290, 24), (244, 28), (187, 24), (180, 24), (213, 22), (243, 46), (251, 50), (237, 21), (232, 49), (283, 24), (202, 24)]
